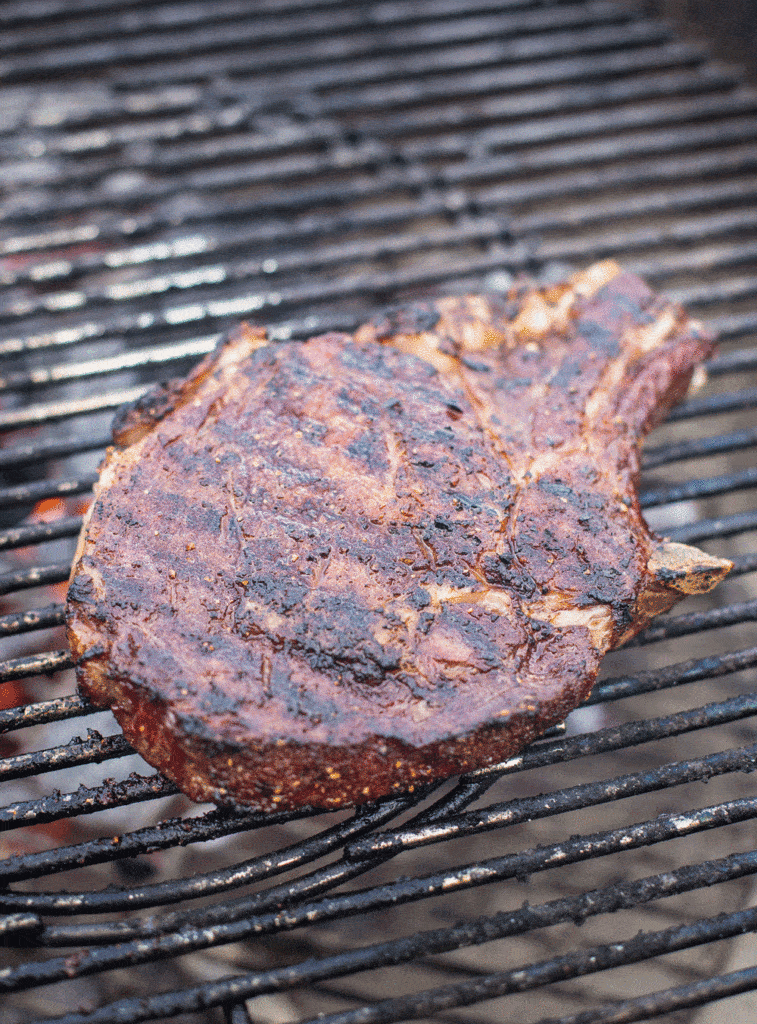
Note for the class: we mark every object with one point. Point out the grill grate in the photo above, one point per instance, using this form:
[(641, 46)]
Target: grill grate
[(169, 168)]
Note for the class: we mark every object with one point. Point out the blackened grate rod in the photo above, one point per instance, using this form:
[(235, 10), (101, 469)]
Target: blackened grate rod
[(281, 38), (573, 965), (28, 621), (168, 833), (699, 447), (335, 907), (549, 753), (723, 526), (585, 795), (665, 1001), (610, 899)]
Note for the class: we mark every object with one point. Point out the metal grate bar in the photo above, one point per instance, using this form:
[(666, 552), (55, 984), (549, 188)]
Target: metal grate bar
[(184, 156), (194, 347), (673, 675), (598, 901), (723, 526), (701, 768), (695, 622), (477, 232), (281, 37), (726, 327), (696, 448), (100, 108), (685, 232), (548, 753), (597, 958), (597, 151), (210, 213), (734, 361), (35, 452), (237, 126), (732, 290), (168, 833), (29, 494), (34, 665), (184, 831), (654, 54), (94, 750), (637, 146), (255, 302), (162, 355), (37, 618), (388, 74), (32, 11), (212, 825), (701, 488), (465, 114), (38, 576), (195, 147), (304, 888), (64, 336), (135, 789), (39, 533), (646, 173), (683, 199), (585, 795), (215, 309), (544, 65), (604, 122), (203, 885), (36, 415), (166, 258), (237, 1014), (735, 326), (665, 1001), (42, 713), (711, 405), (577, 849), (258, 274), (628, 735), (185, 27)]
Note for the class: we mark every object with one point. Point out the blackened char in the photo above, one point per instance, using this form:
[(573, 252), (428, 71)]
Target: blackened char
[(321, 572)]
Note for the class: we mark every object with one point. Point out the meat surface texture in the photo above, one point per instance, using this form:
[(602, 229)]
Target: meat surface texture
[(317, 573)]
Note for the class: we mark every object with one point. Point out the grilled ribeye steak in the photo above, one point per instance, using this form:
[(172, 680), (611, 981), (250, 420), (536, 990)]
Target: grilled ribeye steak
[(321, 572)]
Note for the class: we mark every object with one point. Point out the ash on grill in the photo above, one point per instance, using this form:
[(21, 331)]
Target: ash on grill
[(302, 164)]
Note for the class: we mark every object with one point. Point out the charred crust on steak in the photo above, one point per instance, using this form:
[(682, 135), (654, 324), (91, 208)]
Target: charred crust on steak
[(409, 319), (133, 421), (319, 573)]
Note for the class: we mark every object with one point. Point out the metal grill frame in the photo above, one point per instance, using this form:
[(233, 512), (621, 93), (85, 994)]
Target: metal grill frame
[(491, 122)]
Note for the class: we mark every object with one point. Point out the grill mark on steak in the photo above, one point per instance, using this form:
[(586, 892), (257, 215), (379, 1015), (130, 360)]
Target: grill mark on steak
[(321, 572)]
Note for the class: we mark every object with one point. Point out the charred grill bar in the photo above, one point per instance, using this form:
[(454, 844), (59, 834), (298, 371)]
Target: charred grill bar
[(169, 169)]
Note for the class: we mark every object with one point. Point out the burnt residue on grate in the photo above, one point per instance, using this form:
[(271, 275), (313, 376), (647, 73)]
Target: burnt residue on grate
[(170, 168)]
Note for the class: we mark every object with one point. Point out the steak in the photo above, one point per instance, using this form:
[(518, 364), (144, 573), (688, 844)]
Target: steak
[(316, 573)]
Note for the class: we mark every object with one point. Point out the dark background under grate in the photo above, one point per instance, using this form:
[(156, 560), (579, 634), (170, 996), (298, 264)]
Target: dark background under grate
[(169, 168)]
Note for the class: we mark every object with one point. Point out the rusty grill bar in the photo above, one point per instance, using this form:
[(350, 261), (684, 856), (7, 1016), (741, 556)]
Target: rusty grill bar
[(170, 168)]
